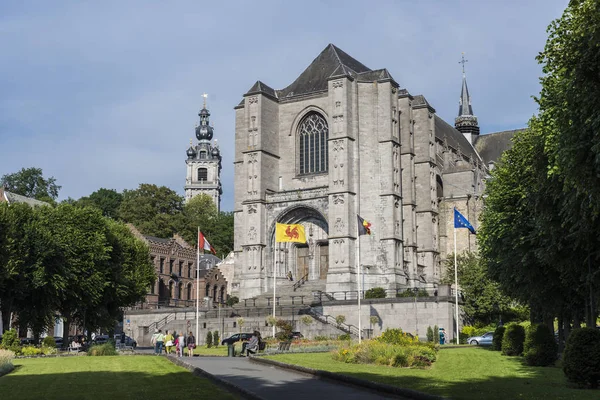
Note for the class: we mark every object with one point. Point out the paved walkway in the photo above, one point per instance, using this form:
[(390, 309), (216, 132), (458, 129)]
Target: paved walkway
[(271, 383)]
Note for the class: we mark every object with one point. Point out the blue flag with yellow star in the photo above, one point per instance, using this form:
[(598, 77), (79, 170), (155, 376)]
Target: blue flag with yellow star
[(461, 222)]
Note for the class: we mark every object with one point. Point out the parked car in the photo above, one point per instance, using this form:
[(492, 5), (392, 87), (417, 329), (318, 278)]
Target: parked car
[(27, 341), (483, 340), (297, 335), (59, 341), (129, 341), (236, 338), (100, 339)]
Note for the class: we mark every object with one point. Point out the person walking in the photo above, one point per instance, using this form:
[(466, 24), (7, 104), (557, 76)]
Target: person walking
[(191, 344), (153, 341), (181, 344), (160, 339), (168, 342)]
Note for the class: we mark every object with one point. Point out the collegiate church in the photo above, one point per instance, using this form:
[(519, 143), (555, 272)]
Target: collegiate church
[(344, 140)]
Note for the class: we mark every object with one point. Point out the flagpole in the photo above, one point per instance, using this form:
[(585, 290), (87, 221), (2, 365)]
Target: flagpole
[(197, 283), (456, 285), (274, 283), (358, 281)]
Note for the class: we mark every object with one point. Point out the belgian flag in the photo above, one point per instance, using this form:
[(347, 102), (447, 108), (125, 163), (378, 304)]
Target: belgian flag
[(364, 227)]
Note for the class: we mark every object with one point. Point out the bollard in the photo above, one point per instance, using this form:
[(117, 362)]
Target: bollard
[(230, 350)]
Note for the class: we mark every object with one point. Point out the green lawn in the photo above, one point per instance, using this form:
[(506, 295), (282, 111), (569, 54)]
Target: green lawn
[(459, 373), (118, 377)]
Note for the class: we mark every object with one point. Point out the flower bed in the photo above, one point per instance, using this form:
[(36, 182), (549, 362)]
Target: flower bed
[(393, 348)]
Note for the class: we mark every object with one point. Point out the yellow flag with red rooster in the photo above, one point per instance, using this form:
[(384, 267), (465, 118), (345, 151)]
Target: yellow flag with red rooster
[(290, 233)]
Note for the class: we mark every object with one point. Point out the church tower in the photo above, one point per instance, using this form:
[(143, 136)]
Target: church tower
[(204, 163), (466, 122)]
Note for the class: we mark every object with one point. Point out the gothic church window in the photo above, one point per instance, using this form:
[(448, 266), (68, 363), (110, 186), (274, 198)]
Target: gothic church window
[(313, 133), (202, 174)]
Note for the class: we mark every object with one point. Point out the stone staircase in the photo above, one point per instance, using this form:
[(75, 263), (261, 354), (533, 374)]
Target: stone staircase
[(288, 294)]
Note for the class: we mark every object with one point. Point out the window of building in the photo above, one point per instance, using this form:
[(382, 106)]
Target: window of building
[(152, 289), (181, 268), (313, 133), (162, 265), (171, 262), (190, 270), (189, 292), (202, 174), (203, 155)]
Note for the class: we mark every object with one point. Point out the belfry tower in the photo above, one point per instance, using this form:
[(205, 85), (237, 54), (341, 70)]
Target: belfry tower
[(466, 122), (204, 162)]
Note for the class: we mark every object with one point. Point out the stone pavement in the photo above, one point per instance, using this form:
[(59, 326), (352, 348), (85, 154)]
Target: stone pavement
[(270, 383)]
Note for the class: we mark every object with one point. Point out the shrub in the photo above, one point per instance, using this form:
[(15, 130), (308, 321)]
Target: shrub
[(436, 334), (240, 322), (321, 338), (540, 348), (429, 334), (307, 320), (581, 359), (10, 339), (6, 357), (209, 339), (397, 337), (30, 351), (406, 293), (375, 293), (374, 319), (345, 336), (48, 350), (340, 319), (422, 293), (232, 300), (498, 336), (106, 349), (512, 340), (215, 338), (285, 330), (49, 341)]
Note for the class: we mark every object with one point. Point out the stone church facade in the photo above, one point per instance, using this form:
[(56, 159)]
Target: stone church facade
[(343, 140)]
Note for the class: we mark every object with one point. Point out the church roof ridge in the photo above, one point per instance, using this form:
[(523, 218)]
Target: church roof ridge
[(331, 62), (261, 87)]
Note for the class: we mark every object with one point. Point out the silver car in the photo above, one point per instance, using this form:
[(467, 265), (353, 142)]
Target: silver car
[(483, 340)]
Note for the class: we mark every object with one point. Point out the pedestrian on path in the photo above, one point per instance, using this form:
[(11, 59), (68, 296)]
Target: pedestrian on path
[(168, 342), (191, 344), (181, 344), (153, 341), (160, 339)]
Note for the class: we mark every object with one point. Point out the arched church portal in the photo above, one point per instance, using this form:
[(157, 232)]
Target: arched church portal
[(310, 259)]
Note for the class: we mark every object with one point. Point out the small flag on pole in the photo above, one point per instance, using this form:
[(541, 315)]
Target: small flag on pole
[(364, 227), (203, 244), (290, 233), (461, 222)]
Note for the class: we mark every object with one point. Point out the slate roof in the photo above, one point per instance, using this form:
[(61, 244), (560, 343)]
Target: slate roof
[(156, 239), (491, 145), (454, 138), (17, 198), (260, 87)]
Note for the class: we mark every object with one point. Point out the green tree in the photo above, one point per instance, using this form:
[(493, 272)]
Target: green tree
[(30, 182), (201, 212), (107, 200), (570, 123), (483, 299), (154, 210)]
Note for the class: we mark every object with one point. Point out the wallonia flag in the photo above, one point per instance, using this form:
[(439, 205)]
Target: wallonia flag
[(364, 227), (290, 233), (204, 245)]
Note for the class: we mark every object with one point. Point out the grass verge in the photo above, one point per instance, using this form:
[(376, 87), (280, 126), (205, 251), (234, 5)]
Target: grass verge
[(111, 377), (460, 373)]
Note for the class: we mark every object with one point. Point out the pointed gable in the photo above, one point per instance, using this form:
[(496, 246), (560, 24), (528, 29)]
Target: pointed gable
[(332, 62)]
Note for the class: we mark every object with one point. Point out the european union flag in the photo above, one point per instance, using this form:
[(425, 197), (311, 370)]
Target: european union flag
[(461, 222)]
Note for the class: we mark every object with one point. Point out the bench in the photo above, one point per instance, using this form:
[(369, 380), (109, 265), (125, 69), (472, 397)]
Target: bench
[(284, 346), (74, 350)]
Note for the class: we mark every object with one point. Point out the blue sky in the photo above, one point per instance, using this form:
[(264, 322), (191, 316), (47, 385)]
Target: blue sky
[(106, 93)]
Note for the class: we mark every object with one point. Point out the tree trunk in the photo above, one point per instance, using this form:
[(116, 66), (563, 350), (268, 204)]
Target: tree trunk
[(5, 308), (66, 322)]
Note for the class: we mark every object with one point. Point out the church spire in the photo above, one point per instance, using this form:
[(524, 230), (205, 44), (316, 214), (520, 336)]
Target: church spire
[(466, 122)]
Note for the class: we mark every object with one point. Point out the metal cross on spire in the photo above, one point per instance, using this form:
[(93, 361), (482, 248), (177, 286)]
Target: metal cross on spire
[(463, 61)]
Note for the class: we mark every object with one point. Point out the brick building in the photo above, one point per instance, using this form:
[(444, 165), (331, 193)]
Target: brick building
[(175, 263)]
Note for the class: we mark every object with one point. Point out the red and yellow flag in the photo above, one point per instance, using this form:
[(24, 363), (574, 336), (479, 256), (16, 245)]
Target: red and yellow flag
[(290, 233)]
